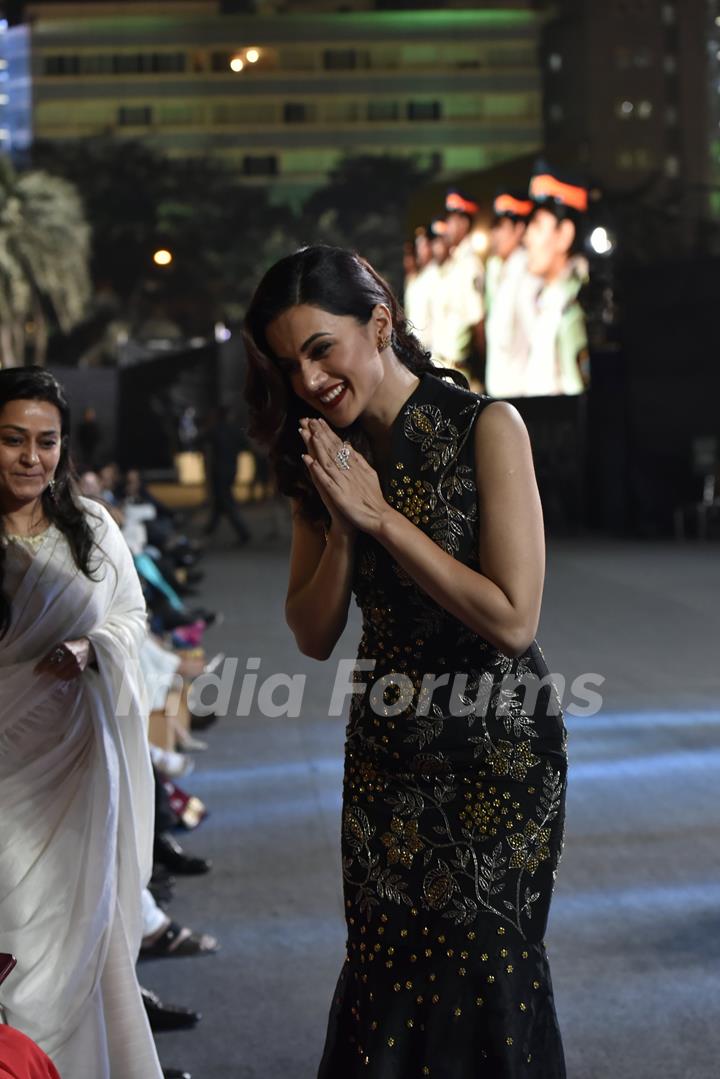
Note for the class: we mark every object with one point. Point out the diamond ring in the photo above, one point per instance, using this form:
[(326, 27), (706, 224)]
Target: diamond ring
[(343, 457)]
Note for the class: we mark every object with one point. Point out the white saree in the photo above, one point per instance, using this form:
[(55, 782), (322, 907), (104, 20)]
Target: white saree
[(76, 809)]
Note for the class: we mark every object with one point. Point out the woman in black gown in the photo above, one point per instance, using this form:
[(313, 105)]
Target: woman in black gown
[(419, 497)]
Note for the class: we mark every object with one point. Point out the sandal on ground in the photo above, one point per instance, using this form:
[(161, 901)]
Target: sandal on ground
[(178, 941)]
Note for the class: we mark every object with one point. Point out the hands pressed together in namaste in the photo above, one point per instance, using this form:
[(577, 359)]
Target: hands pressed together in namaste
[(347, 484)]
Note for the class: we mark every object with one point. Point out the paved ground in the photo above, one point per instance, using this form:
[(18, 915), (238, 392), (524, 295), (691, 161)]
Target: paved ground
[(634, 938)]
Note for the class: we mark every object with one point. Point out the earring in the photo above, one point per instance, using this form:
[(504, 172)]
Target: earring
[(51, 488), (383, 342)]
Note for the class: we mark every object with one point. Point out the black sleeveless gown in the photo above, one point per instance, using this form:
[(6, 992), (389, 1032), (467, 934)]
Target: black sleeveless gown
[(452, 823)]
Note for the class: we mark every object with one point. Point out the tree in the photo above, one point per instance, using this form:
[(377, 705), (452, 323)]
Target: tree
[(44, 246), (220, 231), (122, 183), (223, 232), (364, 206)]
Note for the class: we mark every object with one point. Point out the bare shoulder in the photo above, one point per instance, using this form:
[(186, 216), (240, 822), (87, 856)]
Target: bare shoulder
[(500, 431)]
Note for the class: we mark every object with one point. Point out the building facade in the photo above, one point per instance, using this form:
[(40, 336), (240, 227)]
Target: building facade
[(283, 93), (632, 96)]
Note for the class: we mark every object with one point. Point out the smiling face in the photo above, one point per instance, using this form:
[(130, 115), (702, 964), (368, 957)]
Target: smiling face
[(30, 445), (331, 362)]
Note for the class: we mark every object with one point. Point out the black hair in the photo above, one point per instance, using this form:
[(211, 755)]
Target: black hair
[(340, 282), (561, 212), (61, 505)]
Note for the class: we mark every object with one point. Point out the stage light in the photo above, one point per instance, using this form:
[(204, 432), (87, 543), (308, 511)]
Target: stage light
[(480, 241), (600, 241), (162, 257), (237, 63)]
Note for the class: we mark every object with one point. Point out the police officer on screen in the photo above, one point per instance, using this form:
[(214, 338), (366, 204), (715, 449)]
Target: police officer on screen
[(420, 286), (558, 362), (558, 369), (510, 292), (459, 337)]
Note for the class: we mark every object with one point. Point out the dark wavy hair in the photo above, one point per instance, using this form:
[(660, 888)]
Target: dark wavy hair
[(340, 282), (61, 507)]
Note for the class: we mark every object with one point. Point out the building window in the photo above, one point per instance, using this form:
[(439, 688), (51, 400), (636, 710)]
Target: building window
[(154, 63), (644, 110), (669, 14), (345, 59), (135, 115), (167, 62), (624, 109), (343, 112), (424, 110), (255, 165), (671, 116), (294, 112), (555, 61), (177, 114), (635, 159), (556, 113), (383, 110), (102, 64), (669, 65), (61, 65), (672, 166), (244, 114)]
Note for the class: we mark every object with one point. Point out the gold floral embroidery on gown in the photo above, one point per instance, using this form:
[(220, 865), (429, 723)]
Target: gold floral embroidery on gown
[(453, 803)]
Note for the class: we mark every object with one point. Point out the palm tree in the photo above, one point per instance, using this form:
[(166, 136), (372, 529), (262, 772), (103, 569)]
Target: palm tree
[(44, 254)]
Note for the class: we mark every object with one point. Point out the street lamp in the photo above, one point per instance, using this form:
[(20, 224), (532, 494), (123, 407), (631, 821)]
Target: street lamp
[(252, 56), (237, 63), (162, 257)]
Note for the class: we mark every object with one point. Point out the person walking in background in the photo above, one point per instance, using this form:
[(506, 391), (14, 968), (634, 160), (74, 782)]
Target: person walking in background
[(419, 497), (88, 439), (222, 445), (76, 786)]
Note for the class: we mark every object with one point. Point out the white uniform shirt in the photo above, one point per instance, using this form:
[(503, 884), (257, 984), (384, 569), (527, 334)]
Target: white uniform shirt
[(459, 305), (418, 304), (558, 336), (507, 324)]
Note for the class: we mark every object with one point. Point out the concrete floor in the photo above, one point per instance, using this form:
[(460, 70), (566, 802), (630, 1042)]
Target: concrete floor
[(634, 936)]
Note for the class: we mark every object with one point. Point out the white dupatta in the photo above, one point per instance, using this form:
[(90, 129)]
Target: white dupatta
[(76, 810)]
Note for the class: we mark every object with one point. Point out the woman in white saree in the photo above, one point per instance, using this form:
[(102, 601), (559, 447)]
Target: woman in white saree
[(76, 789)]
